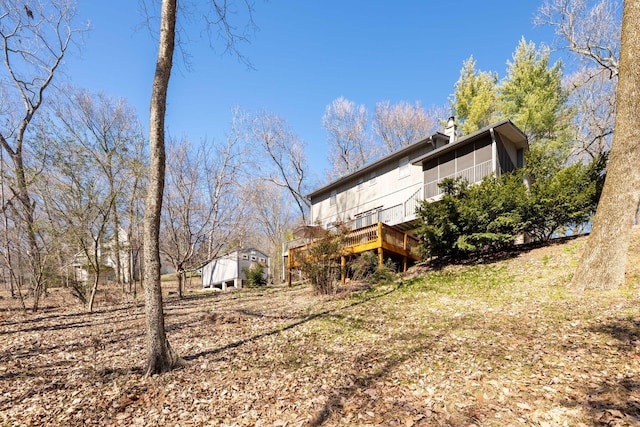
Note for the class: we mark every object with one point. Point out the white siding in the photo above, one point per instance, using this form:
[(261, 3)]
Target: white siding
[(219, 270), (389, 188)]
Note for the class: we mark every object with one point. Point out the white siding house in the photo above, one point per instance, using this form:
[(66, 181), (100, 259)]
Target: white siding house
[(228, 270), (389, 189)]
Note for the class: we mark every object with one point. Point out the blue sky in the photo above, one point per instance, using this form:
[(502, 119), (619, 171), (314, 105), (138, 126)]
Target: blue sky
[(305, 54)]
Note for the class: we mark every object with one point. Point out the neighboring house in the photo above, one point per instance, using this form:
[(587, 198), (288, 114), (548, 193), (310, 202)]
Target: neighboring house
[(108, 262), (390, 189), (228, 270)]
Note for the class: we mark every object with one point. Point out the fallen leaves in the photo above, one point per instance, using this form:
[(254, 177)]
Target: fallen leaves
[(436, 352)]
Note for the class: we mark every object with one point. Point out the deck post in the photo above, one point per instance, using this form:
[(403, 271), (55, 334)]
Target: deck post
[(343, 269), (404, 258), (289, 268), (380, 243)]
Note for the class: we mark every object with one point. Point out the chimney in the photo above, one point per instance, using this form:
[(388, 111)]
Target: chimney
[(450, 129)]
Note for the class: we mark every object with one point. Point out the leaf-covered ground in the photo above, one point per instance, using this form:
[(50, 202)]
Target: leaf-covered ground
[(489, 345)]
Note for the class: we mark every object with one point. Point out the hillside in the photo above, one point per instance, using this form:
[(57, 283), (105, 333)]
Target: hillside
[(490, 345)]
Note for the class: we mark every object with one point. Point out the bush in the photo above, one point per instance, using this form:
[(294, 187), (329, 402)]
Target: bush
[(320, 262), (561, 197), (473, 218), (490, 215), (365, 268), (255, 275)]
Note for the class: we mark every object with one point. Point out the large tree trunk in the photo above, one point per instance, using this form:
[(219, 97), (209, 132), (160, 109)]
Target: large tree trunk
[(160, 356), (604, 259)]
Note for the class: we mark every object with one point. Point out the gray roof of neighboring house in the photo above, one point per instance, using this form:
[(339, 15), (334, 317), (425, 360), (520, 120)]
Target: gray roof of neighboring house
[(238, 251)]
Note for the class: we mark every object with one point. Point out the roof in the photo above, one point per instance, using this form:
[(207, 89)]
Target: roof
[(237, 251), (504, 127), (363, 171)]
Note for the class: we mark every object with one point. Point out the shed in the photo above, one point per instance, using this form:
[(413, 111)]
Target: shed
[(229, 269)]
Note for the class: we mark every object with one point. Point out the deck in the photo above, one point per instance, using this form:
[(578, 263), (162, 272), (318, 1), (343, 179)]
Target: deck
[(384, 239)]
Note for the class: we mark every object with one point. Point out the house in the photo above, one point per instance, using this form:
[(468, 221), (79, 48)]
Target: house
[(378, 202), (229, 269), (390, 189)]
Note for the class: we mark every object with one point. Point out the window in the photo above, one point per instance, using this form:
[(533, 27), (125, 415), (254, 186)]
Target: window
[(245, 256), (332, 199), (403, 167), (253, 258), (262, 259)]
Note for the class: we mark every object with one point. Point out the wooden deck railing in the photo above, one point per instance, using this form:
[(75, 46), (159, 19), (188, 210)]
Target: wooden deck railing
[(379, 237)]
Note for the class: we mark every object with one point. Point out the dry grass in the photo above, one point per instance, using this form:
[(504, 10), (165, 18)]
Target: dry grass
[(499, 344)]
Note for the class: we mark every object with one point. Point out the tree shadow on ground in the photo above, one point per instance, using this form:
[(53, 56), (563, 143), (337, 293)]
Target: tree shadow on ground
[(616, 399), (625, 331), (614, 402), (302, 321), (361, 382)]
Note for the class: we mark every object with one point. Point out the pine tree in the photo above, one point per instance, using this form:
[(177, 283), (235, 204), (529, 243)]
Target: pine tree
[(475, 97), (532, 96)]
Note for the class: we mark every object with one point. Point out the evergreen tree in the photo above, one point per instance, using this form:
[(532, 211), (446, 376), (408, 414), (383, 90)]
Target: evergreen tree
[(475, 97), (532, 96)]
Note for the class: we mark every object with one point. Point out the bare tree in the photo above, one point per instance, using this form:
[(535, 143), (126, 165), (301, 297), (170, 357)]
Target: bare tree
[(287, 167), (78, 205), (401, 124), (109, 131), (135, 182), (593, 96), (603, 262), (223, 174), (197, 210), (273, 214), (160, 356), (350, 145), (35, 37), (588, 28)]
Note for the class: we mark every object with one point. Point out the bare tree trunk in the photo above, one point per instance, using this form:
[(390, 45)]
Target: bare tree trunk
[(32, 51), (604, 259), (180, 274), (94, 290), (117, 249), (160, 355)]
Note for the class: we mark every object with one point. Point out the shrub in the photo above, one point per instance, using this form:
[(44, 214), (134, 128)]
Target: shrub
[(472, 218), (255, 275), (489, 215), (365, 268), (320, 262)]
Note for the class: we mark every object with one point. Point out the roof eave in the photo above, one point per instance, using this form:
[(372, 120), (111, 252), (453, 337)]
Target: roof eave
[(368, 168), (506, 123)]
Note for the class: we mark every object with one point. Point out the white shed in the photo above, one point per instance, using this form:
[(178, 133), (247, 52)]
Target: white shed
[(228, 270)]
